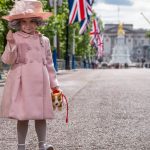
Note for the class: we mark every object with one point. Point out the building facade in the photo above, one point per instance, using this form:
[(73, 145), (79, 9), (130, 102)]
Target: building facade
[(135, 39)]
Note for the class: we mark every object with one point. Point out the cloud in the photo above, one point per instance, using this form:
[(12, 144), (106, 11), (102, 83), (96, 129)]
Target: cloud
[(124, 13), (117, 2)]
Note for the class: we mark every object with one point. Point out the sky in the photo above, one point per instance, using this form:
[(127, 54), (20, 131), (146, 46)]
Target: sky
[(124, 11)]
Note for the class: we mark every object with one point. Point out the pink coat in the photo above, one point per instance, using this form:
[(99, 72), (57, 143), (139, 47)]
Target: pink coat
[(27, 90)]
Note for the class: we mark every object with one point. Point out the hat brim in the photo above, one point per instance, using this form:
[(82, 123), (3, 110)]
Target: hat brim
[(43, 15)]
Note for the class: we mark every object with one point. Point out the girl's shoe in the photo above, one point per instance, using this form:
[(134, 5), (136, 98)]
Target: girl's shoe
[(47, 147), (21, 146)]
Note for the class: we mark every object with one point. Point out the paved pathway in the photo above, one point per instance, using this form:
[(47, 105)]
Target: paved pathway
[(108, 110)]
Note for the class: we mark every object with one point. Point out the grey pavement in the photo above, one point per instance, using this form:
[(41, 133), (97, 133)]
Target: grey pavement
[(108, 110)]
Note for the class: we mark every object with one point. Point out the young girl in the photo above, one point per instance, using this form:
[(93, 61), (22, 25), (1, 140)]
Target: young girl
[(32, 76)]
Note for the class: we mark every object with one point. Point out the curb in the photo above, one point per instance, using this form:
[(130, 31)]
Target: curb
[(62, 72), (2, 83)]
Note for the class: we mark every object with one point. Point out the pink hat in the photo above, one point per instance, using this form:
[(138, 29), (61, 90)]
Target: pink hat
[(27, 9)]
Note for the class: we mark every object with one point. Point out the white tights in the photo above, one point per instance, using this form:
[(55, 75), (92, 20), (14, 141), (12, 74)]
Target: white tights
[(22, 128)]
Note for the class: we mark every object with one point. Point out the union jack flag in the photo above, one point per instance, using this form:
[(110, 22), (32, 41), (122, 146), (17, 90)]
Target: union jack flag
[(91, 2), (100, 50), (84, 23), (96, 38), (79, 10), (95, 31), (89, 7)]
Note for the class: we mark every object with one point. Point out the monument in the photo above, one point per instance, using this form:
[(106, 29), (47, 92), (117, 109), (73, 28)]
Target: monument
[(120, 54)]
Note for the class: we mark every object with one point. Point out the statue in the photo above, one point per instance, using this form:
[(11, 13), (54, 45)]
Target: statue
[(121, 52), (120, 30)]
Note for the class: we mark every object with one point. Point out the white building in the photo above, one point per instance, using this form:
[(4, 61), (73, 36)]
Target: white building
[(136, 41)]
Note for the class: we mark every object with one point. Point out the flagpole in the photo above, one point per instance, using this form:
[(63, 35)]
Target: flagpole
[(118, 14), (73, 51), (55, 40), (67, 58)]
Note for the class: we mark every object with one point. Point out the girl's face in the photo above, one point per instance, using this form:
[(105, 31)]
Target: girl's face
[(27, 25)]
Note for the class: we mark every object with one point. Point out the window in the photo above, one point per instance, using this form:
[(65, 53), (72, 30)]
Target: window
[(142, 42), (135, 42)]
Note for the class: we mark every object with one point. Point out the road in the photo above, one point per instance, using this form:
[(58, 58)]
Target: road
[(108, 110)]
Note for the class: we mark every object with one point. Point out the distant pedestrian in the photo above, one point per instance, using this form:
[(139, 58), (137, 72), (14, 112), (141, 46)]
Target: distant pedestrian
[(96, 64), (32, 76), (84, 63), (93, 64)]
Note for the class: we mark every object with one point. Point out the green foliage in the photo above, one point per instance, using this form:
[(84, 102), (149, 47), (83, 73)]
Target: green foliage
[(54, 24), (5, 5), (148, 34)]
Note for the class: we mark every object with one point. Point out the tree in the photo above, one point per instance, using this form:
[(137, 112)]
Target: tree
[(5, 5), (148, 34), (57, 23)]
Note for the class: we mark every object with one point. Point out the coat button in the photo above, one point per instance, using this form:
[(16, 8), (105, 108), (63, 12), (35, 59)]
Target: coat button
[(29, 48), (44, 61), (31, 61)]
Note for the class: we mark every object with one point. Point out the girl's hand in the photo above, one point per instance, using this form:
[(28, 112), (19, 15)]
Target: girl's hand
[(56, 89), (10, 37)]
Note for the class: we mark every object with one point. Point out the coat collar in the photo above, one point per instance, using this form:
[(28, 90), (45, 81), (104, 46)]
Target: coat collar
[(26, 35)]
